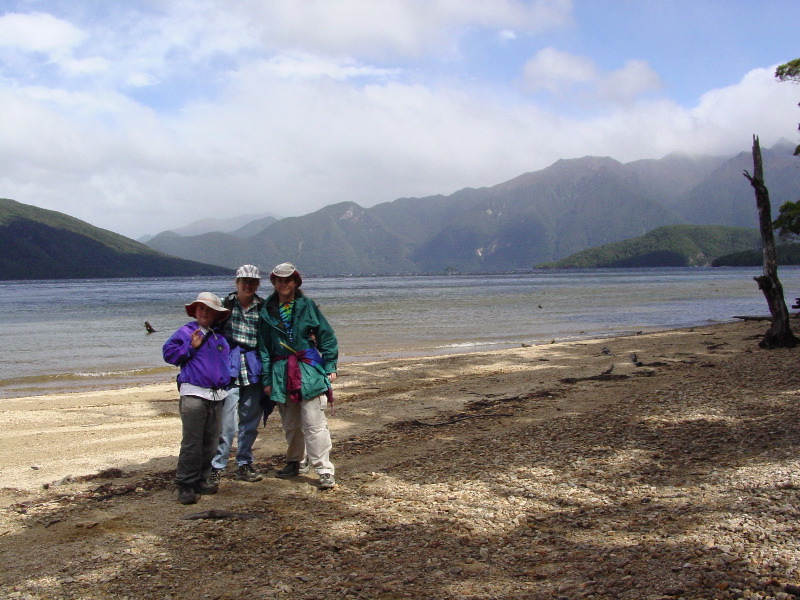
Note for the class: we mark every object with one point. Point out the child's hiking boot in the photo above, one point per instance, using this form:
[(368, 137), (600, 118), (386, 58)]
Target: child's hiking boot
[(248, 473)]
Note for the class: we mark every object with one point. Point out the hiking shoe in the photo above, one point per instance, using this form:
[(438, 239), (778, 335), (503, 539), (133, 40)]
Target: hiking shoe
[(326, 481), (186, 495), (293, 468), (206, 487), (215, 476), (248, 473)]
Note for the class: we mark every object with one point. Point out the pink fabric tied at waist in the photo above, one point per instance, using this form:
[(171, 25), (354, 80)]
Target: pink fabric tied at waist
[(294, 378)]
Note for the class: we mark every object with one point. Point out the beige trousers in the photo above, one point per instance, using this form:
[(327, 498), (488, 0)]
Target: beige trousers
[(306, 429)]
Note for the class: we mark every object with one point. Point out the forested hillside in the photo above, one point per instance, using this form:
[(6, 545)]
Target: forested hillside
[(668, 246), (43, 244)]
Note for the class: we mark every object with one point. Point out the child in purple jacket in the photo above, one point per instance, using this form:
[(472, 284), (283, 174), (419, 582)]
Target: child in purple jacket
[(203, 355)]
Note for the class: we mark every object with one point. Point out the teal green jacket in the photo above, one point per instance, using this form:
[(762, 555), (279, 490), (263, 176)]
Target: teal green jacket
[(306, 319)]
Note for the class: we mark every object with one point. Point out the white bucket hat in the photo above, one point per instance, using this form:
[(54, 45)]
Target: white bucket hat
[(286, 270), (248, 271), (212, 301)]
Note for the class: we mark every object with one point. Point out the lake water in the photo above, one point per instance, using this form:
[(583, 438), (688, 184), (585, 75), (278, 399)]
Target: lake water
[(89, 334)]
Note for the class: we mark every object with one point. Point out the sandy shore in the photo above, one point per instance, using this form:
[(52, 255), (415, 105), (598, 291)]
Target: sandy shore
[(663, 465)]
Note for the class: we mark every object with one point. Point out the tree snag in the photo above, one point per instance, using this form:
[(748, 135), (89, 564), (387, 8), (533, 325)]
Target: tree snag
[(779, 334)]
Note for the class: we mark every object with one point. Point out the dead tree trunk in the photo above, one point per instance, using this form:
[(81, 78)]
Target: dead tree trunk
[(779, 334)]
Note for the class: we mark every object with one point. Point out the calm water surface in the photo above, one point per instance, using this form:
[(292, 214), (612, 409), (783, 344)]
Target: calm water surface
[(89, 334)]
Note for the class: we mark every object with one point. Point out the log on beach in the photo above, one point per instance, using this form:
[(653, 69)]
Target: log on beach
[(753, 318)]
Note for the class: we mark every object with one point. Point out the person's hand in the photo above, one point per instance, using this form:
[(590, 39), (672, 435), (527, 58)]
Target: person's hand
[(197, 338), (332, 377), (268, 390)]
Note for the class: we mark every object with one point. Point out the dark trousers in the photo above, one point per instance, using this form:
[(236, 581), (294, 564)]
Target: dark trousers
[(202, 421)]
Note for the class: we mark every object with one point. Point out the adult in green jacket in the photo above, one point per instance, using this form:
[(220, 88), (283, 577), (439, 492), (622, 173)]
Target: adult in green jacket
[(299, 352)]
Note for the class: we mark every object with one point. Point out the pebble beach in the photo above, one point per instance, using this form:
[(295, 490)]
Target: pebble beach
[(656, 466)]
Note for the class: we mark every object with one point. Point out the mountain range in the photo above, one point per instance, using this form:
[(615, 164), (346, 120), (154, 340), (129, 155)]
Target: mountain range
[(536, 218), (240, 226), (676, 210)]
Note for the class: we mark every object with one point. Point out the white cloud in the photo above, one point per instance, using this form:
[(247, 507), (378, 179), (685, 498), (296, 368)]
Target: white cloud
[(631, 81), (556, 71), (381, 28), (58, 40), (294, 145), (39, 32), (507, 35), (723, 122), (758, 104), (289, 106), (306, 66), (142, 45)]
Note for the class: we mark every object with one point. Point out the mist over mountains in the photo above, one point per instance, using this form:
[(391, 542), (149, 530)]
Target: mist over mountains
[(538, 217), (586, 212), (241, 226)]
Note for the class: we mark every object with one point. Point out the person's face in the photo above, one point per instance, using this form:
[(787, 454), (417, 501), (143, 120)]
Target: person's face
[(285, 286), (247, 287), (205, 316)]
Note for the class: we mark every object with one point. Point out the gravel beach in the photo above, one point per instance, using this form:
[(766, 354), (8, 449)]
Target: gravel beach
[(657, 466)]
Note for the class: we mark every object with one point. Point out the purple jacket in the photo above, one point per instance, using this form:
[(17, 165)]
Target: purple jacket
[(208, 366)]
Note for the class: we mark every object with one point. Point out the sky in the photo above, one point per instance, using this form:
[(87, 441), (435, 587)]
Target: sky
[(142, 116)]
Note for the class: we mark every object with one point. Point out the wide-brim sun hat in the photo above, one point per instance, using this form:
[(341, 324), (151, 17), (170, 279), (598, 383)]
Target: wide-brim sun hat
[(286, 270), (212, 301), (248, 272)]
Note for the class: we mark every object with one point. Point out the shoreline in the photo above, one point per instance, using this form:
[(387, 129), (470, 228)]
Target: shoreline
[(101, 426), (107, 384)]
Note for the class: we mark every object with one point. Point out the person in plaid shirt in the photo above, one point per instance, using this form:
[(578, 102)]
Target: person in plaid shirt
[(244, 405)]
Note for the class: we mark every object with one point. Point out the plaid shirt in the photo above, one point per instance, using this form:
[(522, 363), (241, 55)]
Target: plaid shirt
[(242, 327)]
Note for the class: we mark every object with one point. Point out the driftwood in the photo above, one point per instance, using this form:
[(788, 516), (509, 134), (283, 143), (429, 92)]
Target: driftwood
[(763, 317), (459, 418), (216, 513), (601, 377), (779, 334)]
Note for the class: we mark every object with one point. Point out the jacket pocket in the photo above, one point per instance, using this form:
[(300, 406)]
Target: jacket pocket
[(235, 361), (253, 364)]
